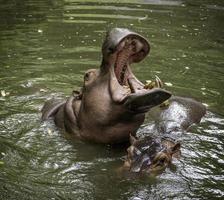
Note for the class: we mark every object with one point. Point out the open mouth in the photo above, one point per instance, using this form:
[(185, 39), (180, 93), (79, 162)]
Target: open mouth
[(130, 49), (120, 49)]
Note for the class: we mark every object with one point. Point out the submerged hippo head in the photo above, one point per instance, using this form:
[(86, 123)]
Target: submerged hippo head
[(150, 155)]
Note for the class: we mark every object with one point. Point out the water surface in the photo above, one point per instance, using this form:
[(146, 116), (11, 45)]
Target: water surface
[(46, 46)]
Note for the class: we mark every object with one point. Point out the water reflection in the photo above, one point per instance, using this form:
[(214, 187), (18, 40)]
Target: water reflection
[(45, 48)]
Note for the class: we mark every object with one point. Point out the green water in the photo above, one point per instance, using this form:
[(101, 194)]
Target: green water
[(47, 45)]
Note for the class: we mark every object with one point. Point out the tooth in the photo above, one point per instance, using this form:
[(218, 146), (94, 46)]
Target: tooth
[(159, 83), (139, 46)]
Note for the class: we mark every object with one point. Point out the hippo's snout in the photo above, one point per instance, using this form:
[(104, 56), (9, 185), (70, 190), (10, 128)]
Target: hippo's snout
[(150, 155)]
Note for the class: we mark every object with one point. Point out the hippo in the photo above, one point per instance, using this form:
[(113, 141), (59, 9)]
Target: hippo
[(112, 102), (150, 155)]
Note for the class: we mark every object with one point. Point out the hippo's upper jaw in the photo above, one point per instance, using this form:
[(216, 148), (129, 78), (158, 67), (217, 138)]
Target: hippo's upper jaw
[(120, 49)]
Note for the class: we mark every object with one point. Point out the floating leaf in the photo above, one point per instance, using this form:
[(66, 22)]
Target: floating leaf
[(3, 93), (43, 90), (168, 84), (49, 131)]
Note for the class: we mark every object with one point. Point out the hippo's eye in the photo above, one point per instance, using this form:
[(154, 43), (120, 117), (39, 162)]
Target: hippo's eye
[(110, 50), (162, 161), (86, 77)]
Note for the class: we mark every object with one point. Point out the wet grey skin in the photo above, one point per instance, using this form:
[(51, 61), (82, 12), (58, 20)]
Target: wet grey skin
[(112, 102), (178, 116), (152, 155)]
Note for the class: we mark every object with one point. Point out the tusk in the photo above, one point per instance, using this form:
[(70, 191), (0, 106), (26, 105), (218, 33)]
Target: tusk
[(159, 83)]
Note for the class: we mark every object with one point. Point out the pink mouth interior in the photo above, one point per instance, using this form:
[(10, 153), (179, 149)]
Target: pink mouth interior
[(121, 67), (128, 49)]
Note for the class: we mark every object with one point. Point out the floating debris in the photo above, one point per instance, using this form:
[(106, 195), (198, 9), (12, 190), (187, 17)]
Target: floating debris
[(205, 104), (168, 84), (49, 131), (157, 83), (43, 90), (4, 93), (165, 104), (27, 84), (143, 18)]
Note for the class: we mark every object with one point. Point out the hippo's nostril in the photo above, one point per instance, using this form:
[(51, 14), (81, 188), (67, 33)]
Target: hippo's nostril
[(86, 77), (161, 161)]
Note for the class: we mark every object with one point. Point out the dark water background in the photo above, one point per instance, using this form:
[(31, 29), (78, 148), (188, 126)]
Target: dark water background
[(47, 45)]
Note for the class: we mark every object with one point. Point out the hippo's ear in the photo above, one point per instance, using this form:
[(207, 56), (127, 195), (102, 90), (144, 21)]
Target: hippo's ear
[(175, 150), (132, 139)]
